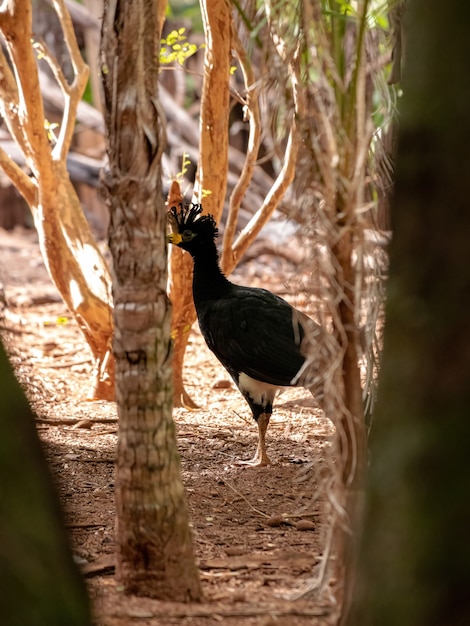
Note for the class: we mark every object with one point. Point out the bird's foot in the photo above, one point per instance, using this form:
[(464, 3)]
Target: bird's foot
[(256, 461), (261, 458)]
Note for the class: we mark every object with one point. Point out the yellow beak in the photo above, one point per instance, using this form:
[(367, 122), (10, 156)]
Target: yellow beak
[(174, 238)]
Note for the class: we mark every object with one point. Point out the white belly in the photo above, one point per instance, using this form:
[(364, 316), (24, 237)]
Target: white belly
[(259, 392)]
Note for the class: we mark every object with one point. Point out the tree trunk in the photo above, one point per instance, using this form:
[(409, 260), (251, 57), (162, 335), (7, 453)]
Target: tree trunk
[(78, 270), (40, 584), (415, 555), (211, 178), (155, 556), (179, 286), (351, 442), (71, 256)]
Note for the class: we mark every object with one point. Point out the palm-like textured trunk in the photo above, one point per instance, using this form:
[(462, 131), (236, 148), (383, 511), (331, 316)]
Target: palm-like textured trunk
[(155, 555)]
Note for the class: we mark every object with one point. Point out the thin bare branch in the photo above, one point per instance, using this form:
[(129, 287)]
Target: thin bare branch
[(72, 92), (9, 103), (282, 182), (52, 62), (78, 64), (254, 139), (275, 195), (20, 180), (17, 22)]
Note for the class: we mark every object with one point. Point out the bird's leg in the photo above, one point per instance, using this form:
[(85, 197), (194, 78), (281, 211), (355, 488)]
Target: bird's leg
[(261, 458), (261, 454)]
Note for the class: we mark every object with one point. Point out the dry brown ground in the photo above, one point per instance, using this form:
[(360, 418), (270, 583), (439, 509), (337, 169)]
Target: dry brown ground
[(257, 532)]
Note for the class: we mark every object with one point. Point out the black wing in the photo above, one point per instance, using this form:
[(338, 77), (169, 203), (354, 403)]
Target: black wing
[(256, 332)]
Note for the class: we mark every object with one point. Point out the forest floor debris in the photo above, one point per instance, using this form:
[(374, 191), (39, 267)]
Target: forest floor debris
[(257, 533)]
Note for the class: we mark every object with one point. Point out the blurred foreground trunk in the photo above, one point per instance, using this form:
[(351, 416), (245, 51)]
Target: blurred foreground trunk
[(414, 561), (39, 581)]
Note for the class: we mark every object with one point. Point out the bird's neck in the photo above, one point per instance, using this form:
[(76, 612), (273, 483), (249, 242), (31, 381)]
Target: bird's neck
[(208, 280)]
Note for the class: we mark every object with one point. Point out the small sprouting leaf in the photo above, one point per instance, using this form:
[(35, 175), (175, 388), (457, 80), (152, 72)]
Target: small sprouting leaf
[(185, 161), (50, 127), (38, 47)]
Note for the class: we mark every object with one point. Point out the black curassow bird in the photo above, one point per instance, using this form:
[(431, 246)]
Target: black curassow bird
[(258, 337)]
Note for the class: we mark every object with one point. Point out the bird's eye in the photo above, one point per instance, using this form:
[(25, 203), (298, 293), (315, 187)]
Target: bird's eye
[(188, 235)]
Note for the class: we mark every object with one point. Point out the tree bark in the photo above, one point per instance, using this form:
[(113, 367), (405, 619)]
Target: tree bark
[(155, 556), (40, 584), (351, 439), (415, 553), (211, 177), (179, 286)]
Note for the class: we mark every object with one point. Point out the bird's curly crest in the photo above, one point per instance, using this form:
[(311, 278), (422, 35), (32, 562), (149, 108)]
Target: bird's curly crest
[(188, 216)]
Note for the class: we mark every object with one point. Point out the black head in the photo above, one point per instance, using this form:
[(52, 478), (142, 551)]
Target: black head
[(191, 229)]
